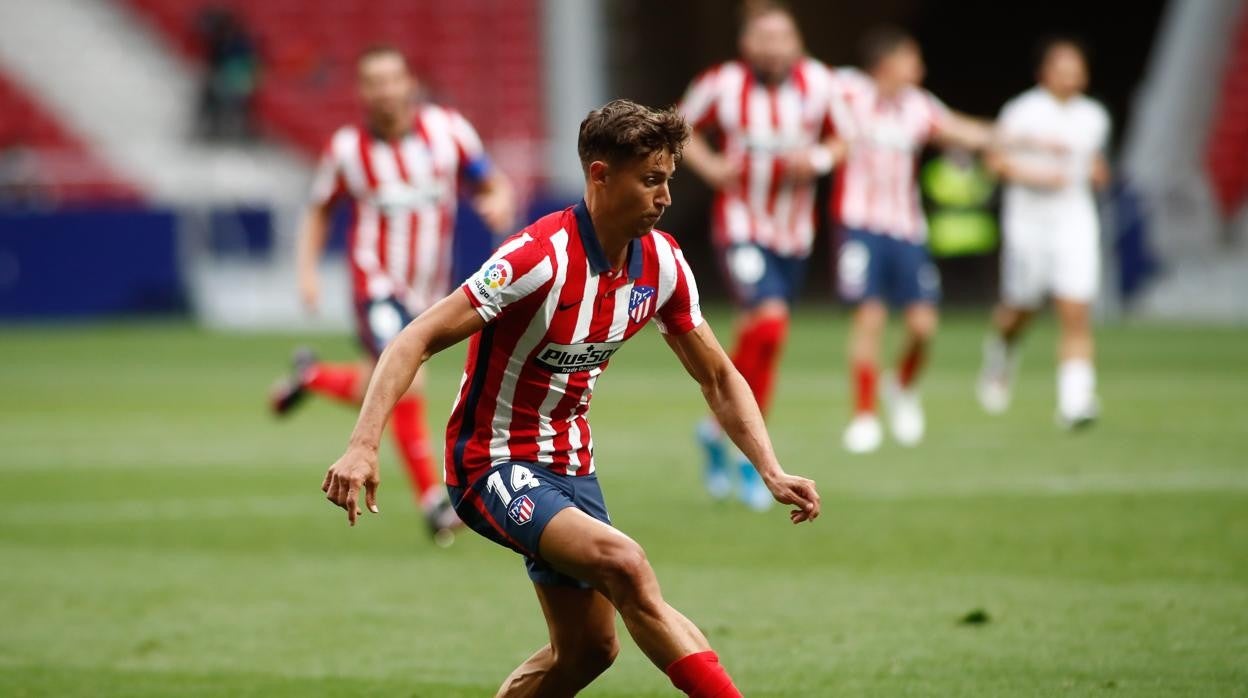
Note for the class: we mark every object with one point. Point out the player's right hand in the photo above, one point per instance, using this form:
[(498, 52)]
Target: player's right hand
[(356, 468), (310, 290)]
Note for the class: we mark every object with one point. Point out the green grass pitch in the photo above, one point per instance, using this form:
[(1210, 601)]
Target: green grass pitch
[(162, 535)]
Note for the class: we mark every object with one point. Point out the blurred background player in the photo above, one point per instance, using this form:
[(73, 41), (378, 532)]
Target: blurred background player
[(1051, 231), (401, 171), (771, 111), (883, 259)]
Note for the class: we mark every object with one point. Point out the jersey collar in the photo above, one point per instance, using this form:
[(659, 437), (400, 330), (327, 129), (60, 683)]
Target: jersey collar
[(593, 249)]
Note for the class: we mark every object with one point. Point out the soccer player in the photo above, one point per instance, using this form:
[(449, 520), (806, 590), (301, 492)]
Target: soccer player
[(771, 113), (883, 260), (545, 315), (1051, 239), (401, 171)]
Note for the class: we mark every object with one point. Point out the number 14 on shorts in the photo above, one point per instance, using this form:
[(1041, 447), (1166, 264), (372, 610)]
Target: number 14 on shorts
[(521, 479)]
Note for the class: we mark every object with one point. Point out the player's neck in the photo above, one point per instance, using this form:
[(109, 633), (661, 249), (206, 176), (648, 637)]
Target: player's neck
[(1062, 97), (391, 129), (613, 237), (888, 88)]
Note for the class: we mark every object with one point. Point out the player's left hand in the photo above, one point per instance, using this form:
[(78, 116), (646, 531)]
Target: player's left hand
[(796, 491), (357, 468)]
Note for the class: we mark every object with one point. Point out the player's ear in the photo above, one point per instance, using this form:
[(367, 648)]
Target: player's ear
[(598, 172)]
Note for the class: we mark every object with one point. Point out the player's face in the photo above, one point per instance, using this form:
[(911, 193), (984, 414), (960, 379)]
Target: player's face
[(1064, 71), (905, 64), (386, 86), (636, 193), (771, 45)]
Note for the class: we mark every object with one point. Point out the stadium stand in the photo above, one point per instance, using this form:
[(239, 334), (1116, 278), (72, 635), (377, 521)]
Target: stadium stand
[(1228, 139), (42, 161), (309, 51)]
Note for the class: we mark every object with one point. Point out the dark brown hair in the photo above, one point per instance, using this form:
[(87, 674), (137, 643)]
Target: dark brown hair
[(753, 9), (880, 42), (622, 130)]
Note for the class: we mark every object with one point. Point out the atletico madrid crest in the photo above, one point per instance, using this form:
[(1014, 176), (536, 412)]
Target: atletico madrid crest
[(521, 509), (640, 303)]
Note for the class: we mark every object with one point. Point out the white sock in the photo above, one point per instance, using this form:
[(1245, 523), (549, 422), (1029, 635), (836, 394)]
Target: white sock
[(1076, 387)]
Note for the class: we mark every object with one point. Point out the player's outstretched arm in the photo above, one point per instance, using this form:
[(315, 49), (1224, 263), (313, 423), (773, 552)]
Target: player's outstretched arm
[(448, 322), (716, 169), (309, 246), (730, 399), (494, 200), (961, 131)]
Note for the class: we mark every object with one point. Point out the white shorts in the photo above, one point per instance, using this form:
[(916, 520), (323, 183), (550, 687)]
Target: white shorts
[(1050, 252)]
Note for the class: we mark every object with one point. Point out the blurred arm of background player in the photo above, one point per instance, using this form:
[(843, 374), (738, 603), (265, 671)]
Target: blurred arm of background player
[(732, 402), (450, 321), (494, 200), (717, 170), (958, 130), (312, 236), (810, 163), (999, 161)]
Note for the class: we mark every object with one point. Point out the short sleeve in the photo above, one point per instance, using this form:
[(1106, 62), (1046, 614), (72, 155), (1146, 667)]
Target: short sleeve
[(1104, 129), (681, 309), (328, 184), (698, 104), (519, 267), (473, 162)]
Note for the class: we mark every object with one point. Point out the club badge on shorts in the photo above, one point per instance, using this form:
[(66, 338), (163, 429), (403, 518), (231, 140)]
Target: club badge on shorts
[(640, 302), (521, 509)]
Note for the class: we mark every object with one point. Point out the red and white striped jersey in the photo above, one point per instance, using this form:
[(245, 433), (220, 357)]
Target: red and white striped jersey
[(757, 125), (556, 313), (877, 190), (403, 194)]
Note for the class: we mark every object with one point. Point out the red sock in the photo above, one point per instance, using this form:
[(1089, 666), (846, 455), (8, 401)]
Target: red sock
[(757, 355), (408, 424), (864, 388), (337, 381), (911, 363), (700, 675)]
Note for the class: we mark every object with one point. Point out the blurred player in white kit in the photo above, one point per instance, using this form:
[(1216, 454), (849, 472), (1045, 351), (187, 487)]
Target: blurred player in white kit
[(1051, 242)]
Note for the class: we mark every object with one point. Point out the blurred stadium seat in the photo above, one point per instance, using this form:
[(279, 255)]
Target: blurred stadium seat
[(310, 50), (42, 161)]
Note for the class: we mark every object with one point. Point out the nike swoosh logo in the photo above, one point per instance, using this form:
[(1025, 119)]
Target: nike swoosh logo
[(568, 306)]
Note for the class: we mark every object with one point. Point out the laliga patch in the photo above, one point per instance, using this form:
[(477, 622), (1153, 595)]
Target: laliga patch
[(494, 277), (640, 302), (521, 509)]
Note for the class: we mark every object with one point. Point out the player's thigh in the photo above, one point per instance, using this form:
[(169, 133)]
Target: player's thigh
[(378, 323), (861, 266), (1077, 259), (913, 276), (758, 276), (580, 621), (582, 547), (1026, 262)]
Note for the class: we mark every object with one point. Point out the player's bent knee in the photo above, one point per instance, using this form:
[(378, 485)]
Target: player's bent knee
[(594, 655), (625, 568)]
